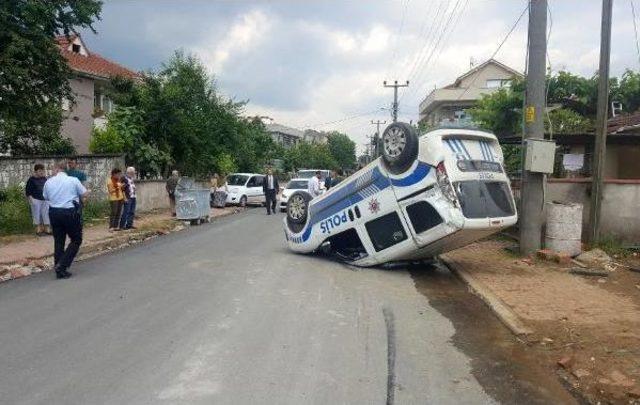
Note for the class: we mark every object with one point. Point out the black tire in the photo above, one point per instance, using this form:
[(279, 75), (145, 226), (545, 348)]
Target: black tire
[(243, 201), (297, 211), (399, 147)]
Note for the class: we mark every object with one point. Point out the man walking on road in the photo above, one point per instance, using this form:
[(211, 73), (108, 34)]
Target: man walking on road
[(172, 182), (314, 185), (64, 194), (270, 188)]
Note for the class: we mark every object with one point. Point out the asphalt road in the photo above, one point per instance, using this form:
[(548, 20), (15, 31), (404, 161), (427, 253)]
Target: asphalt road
[(224, 314)]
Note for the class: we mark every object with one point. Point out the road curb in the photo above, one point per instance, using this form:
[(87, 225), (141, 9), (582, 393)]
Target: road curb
[(27, 266), (509, 318)]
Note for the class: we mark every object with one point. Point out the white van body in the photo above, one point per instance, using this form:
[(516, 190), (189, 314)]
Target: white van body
[(453, 193), (245, 188)]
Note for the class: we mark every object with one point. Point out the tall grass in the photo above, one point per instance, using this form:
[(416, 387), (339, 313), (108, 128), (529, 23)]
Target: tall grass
[(15, 213)]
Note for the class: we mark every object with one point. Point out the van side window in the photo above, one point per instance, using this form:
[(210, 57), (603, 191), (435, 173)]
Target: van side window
[(252, 182), (386, 231), (423, 216), (259, 181)]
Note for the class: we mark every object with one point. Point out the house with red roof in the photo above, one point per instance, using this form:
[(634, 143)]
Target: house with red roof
[(92, 75)]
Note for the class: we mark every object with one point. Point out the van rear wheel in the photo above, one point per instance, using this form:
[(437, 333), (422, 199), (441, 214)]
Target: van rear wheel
[(399, 147), (297, 211)]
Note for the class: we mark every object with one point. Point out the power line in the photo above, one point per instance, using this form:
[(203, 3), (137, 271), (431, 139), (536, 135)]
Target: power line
[(437, 52), (435, 40), (428, 39), (343, 119), (429, 20), (397, 36), (635, 28), (504, 40)]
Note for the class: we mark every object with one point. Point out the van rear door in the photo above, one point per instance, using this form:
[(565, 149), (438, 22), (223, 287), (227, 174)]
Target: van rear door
[(472, 149)]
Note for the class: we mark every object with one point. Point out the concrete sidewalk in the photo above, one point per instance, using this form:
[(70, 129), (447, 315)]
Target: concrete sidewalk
[(20, 258), (584, 328)]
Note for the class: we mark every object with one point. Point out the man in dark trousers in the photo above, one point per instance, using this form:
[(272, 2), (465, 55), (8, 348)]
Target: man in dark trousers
[(64, 194), (270, 187)]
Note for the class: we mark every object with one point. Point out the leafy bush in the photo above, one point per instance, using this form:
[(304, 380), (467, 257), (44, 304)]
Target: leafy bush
[(106, 140), (95, 209), (15, 215)]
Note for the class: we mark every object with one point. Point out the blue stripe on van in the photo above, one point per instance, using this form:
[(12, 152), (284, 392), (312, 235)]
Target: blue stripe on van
[(465, 149), (351, 194)]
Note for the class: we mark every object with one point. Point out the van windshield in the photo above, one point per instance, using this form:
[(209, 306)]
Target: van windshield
[(480, 199), (237, 180)]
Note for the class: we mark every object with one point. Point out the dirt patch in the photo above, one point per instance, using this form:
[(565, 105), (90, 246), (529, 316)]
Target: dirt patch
[(592, 323)]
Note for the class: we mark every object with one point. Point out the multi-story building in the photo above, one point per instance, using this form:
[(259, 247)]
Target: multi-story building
[(450, 103), (283, 135), (91, 78)]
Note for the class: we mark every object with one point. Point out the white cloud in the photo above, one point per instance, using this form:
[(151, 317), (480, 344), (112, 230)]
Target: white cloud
[(244, 35)]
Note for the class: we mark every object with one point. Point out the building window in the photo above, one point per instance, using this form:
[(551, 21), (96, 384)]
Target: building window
[(102, 103), (497, 83), (75, 48)]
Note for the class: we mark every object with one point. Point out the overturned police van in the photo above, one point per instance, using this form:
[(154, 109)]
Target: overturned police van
[(424, 196)]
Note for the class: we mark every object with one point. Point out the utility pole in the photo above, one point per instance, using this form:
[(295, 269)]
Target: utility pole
[(532, 196), (376, 137), (394, 107), (601, 123)]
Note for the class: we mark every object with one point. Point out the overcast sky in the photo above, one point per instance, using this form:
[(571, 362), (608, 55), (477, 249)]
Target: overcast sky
[(321, 64)]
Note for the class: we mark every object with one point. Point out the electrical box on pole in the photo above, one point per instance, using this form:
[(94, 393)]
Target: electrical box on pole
[(539, 155)]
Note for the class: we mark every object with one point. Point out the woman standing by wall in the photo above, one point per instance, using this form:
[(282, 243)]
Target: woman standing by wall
[(39, 207), (115, 188)]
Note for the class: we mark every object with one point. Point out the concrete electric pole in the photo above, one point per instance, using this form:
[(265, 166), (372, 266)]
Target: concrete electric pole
[(601, 123), (532, 195), (394, 107), (375, 142)]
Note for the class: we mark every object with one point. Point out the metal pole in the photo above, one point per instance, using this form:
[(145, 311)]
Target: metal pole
[(394, 106), (532, 197), (600, 150)]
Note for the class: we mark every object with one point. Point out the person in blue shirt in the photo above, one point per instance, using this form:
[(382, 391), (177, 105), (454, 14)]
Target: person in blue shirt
[(64, 195), (73, 171)]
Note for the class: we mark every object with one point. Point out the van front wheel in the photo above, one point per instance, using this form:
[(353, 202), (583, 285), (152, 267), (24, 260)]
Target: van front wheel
[(399, 147)]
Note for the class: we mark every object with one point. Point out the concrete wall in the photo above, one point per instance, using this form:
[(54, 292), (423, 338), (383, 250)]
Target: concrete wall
[(622, 161), (151, 195), (620, 203), (79, 121), (16, 170)]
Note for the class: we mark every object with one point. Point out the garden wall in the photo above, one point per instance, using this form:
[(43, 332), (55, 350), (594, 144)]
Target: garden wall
[(15, 170)]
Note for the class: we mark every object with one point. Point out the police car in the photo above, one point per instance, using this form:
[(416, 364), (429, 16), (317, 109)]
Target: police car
[(424, 196)]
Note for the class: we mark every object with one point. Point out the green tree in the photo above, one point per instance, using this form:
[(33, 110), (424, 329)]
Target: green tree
[(501, 111), (628, 92), (343, 150), (33, 74), (186, 124), (308, 155)]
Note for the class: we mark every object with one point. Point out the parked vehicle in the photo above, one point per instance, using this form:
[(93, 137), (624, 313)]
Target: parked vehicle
[(245, 188), (309, 173), (423, 197), (293, 186)]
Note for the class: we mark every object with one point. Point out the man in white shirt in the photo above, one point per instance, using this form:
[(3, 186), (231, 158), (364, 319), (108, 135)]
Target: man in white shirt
[(64, 194), (314, 185), (270, 187)]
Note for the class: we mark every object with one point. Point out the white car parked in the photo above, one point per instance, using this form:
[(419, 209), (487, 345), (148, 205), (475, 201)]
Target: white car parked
[(245, 188), (293, 186), (425, 196)]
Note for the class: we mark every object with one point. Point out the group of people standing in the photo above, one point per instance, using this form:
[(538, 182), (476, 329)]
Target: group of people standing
[(34, 190), (122, 199)]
